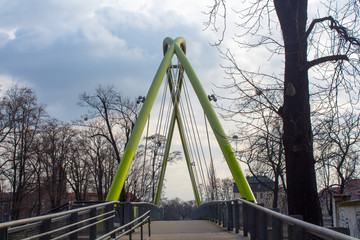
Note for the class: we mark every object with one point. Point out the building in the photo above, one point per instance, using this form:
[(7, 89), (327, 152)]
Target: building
[(327, 195), (262, 188)]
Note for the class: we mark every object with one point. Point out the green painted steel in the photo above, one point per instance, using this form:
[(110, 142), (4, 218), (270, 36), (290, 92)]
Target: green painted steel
[(233, 164), (188, 161), (177, 117), (178, 47), (123, 169), (168, 142)]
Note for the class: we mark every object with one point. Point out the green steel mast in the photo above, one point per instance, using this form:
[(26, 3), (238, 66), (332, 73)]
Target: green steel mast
[(177, 47)]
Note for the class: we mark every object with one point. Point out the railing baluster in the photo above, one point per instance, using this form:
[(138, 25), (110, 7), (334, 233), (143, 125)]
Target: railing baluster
[(252, 222), (245, 220), (261, 224), (276, 227), (92, 230), (73, 219), (45, 227), (109, 224), (4, 233), (230, 216), (236, 216), (298, 232), (149, 223)]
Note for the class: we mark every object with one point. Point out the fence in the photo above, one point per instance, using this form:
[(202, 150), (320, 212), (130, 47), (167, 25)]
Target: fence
[(263, 223), (88, 222)]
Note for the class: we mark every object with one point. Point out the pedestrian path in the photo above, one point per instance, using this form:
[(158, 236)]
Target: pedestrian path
[(188, 230)]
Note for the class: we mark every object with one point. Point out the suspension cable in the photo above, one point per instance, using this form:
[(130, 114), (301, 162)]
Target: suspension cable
[(197, 131), (146, 142), (212, 174), (194, 140), (190, 145)]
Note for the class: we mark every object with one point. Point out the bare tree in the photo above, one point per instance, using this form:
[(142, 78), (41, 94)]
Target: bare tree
[(339, 144), (117, 116), (78, 169), (110, 107), (24, 117), (57, 142), (225, 189), (331, 43), (101, 162)]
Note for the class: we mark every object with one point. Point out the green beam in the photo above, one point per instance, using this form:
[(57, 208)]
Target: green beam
[(220, 135), (168, 139), (165, 160), (177, 117), (178, 47), (123, 169), (187, 158)]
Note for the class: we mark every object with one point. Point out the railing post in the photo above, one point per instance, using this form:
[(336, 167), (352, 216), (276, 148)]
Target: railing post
[(236, 216), (218, 213), (149, 223), (277, 227), (213, 211), (129, 216), (92, 231), (224, 215), (73, 219), (45, 227), (141, 231), (296, 232), (245, 219), (109, 224), (252, 222), (128, 213), (3, 233), (230, 225), (261, 224)]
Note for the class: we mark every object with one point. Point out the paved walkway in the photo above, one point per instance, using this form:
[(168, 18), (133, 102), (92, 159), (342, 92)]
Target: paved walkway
[(188, 230)]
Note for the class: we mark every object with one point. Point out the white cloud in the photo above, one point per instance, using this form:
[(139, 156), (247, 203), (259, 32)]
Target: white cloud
[(61, 48)]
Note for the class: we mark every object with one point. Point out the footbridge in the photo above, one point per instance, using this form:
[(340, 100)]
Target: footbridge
[(233, 219)]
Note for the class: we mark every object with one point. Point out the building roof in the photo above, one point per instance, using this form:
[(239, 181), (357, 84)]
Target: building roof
[(258, 184)]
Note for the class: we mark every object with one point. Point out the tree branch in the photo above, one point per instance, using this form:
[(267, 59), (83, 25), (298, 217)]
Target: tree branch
[(334, 25), (326, 59), (315, 21)]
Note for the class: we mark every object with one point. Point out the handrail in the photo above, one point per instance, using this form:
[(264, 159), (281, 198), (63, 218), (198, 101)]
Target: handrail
[(145, 218), (253, 220), (312, 228), (50, 216), (73, 227)]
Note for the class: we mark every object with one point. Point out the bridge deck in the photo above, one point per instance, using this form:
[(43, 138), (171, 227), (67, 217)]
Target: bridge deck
[(195, 229)]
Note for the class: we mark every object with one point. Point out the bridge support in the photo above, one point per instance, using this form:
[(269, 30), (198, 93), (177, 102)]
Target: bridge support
[(172, 47)]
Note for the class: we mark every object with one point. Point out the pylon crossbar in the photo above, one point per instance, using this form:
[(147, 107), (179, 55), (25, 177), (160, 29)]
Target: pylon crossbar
[(170, 48)]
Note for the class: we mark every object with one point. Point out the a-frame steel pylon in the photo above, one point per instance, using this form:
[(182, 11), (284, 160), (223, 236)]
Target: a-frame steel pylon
[(177, 47)]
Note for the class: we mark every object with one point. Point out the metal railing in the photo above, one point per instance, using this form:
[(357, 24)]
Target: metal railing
[(130, 227), (262, 223), (86, 222), (97, 221), (128, 211)]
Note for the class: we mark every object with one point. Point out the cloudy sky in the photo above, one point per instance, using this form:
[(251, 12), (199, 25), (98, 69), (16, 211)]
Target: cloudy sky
[(61, 48)]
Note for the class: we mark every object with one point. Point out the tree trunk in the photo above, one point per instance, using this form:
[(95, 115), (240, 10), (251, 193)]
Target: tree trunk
[(300, 173)]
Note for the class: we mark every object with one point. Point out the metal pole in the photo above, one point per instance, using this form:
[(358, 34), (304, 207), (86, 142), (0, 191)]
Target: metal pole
[(134, 140), (233, 164)]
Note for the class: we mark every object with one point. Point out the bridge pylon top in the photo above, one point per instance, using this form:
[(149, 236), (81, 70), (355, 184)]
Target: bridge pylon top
[(170, 48)]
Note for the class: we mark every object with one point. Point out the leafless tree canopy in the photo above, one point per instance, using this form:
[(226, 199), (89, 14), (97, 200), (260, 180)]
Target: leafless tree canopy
[(45, 163), (313, 51)]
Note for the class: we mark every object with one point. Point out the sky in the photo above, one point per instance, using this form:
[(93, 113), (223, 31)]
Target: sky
[(62, 48)]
